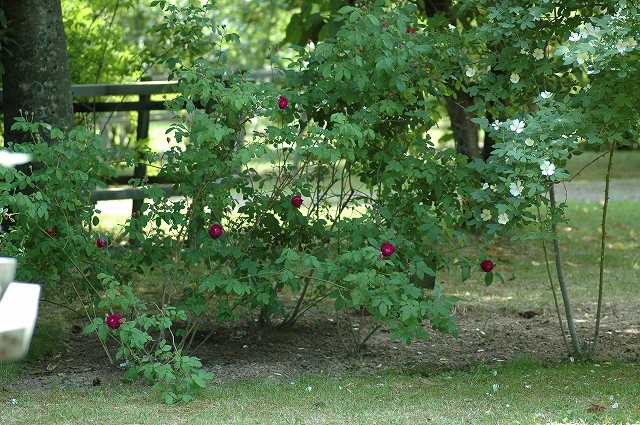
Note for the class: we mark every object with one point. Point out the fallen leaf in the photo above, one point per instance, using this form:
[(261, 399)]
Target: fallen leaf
[(595, 408)]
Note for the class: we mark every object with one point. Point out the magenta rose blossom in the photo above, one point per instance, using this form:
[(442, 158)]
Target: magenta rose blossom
[(101, 243), (411, 30), (283, 102), (296, 201), (487, 265), (216, 230), (387, 249), (114, 320)]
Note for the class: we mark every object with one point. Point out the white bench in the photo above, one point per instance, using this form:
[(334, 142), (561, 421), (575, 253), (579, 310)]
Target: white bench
[(18, 312)]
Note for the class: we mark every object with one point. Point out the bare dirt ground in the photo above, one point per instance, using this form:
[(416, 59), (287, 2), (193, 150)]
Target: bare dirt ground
[(318, 345)]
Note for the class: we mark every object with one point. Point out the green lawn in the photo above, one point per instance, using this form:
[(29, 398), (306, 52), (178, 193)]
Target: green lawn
[(522, 392), (626, 165), (523, 266)]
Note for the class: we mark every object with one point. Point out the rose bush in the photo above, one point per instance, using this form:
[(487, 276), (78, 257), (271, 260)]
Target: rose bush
[(47, 208), (348, 140), (579, 98), (355, 206)]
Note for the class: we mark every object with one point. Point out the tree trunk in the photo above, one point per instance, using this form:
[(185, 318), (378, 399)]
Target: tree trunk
[(487, 147), (432, 7), (465, 132), (36, 82)]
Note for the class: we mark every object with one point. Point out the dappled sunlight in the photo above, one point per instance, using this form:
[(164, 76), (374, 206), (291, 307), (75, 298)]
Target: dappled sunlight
[(482, 297)]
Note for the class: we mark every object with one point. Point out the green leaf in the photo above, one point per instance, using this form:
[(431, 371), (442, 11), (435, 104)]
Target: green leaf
[(488, 278), (465, 268)]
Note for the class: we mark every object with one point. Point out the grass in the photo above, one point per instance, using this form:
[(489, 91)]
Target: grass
[(47, 340), (521, 392), (523, 266), (626, 165)]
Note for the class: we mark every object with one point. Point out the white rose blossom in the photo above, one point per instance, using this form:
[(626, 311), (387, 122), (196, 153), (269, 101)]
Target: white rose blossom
[(503, 218), (470, 72), (516, 188), (485, 186), (547, 168), (546, 94), (515, 78), (496, 125), (624, 46), (574, 36), (485, 215), (517, 126), (538, 54), (529, 141)]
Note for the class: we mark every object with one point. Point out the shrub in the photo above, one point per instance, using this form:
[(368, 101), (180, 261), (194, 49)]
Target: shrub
[(48, 207)]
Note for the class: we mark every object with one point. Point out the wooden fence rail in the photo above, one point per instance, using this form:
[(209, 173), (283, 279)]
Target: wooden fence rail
[(84, 102), (85, 95), (143, 107)]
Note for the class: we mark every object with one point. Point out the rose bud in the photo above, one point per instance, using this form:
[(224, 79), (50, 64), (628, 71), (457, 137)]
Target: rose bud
[(296, 201), (487, 265), (114, 320), (283, 102), (387, 249), (216, 230)]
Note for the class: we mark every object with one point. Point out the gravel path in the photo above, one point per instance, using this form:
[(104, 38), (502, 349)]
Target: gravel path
[(593, 191)]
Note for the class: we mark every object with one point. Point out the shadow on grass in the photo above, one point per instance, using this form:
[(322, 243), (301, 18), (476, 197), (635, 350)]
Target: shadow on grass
[(47, 339)]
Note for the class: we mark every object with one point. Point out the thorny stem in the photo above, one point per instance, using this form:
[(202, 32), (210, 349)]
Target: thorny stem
[(597, 158), (84, 307), (577, 348), (63, 306), (369, 335), (560, 273), (553, 289), (292, 317), (86, 312)]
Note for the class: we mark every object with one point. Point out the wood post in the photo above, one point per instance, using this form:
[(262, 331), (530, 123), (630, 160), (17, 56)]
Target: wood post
[(142, 138)]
